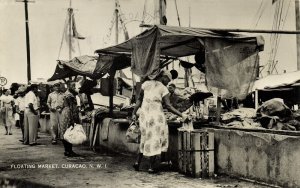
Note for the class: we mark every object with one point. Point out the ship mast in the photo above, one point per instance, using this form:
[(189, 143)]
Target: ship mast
[(70, 29), (297, 15)]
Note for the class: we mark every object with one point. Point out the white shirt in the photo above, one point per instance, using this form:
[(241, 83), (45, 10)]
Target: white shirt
[(31, 98), (20, 102), (6, 99)]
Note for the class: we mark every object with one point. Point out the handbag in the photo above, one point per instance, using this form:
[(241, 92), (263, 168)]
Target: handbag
[(75, 135), (133, 133)]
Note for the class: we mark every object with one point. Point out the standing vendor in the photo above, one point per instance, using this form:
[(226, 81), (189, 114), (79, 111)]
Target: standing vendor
[(153, 125)]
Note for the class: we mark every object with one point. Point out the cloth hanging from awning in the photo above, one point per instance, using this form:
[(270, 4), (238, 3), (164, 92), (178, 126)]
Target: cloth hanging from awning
[(231, 66), (184, 41), (145, 55)]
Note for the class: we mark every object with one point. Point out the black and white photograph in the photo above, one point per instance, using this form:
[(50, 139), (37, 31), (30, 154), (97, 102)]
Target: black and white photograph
[(149, 93)]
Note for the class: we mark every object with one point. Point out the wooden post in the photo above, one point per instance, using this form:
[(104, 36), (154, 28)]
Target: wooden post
[(219, 106), (256, 99), (297, 15), (111, 92), (27, 40), (117, 23)]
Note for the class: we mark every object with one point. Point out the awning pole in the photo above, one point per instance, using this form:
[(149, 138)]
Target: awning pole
[(241, 30), (256, 99), (218, 107)]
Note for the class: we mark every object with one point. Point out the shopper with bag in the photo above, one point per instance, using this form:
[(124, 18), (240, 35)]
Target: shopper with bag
[(69, 116), (152, 121)]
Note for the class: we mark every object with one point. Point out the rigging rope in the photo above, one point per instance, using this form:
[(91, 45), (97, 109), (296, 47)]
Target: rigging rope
[(278, 23), (177, 13), (260, 12), (144, 12)]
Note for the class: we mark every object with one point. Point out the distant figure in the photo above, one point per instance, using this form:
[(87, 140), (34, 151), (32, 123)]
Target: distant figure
[(31, 117), (7, 103), (53, 106), (20, 108)]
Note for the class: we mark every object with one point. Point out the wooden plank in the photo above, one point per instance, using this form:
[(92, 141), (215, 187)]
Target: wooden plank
[(211, 163), (188, 153), (184, 152), (96, 134), (197, 160), (91, 136), (180, 152), (192, 153), (211, 154), (203, 154)]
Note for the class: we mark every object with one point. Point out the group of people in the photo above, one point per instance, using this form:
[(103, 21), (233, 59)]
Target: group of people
[(24, 106), (64, 112)]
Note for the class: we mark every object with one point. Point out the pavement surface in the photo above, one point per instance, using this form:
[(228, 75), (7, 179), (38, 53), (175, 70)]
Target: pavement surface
[(45, 165)]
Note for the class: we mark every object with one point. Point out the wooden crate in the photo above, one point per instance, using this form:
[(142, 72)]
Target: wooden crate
[(196, 153)]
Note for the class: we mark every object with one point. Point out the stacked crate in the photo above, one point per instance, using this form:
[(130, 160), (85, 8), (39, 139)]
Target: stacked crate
[(196, 153)]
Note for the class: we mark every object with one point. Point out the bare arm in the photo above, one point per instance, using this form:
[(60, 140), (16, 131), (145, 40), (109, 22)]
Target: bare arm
[(30, 105), (138, 103), (166, 100), (49, 102)]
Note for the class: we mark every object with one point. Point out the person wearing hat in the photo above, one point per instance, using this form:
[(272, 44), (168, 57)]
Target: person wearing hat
[(20, 107), (31, 118), (53, 105), (152, 121)]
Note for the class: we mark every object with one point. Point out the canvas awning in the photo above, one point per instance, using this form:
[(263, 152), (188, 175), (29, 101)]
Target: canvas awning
[(231, 59), (181, 41), (277, 81), (90, 66)]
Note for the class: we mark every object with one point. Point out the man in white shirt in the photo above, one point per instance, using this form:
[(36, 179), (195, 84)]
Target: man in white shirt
[(31, 117), (53, 106)]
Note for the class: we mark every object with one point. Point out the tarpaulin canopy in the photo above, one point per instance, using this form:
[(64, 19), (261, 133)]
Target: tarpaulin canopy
[(181, 41), (90, 66), (277, 81), (230, 59)]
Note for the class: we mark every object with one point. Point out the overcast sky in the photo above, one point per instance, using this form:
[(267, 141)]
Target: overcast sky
[(94, 18)]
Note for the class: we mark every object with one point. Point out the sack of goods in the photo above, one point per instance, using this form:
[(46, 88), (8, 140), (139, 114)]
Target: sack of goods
[(133, 133), (75, 135)]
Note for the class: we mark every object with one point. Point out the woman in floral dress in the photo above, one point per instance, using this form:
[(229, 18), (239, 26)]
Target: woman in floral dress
[(69, 116), (152, 121)]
